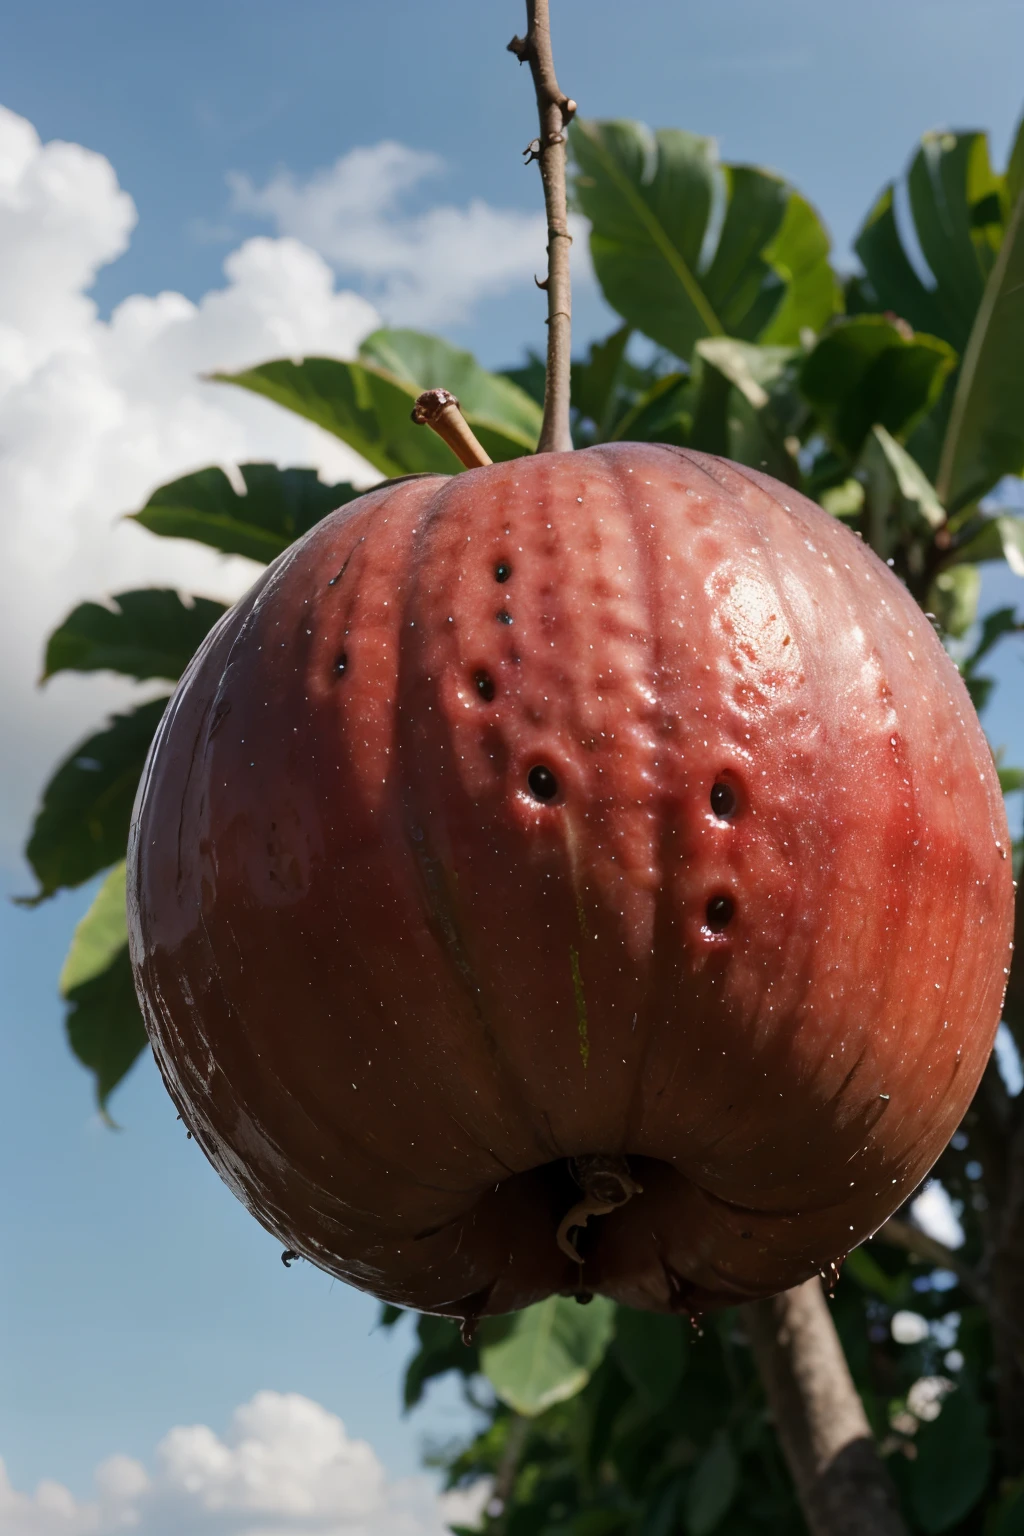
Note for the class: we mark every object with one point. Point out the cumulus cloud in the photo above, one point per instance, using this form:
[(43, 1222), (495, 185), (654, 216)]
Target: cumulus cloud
[(95, 413), (285, 1467), (424, 268)]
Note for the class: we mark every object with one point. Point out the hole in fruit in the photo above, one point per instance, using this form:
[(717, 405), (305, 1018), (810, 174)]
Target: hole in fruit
[(502, 571), (503, 616), (542, 782), (723, 800), (484, 685), (719, 913), (341, 664)]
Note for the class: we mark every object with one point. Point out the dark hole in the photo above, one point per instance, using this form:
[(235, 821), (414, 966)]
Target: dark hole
[(503, 616), (484, 685), (584, 1298), (723, 800), (542, 782), (503, 571), (720, 910), (341, 664)]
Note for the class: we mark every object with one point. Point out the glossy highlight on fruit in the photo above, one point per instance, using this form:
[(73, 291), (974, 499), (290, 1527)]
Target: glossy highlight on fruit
[(610, 810)]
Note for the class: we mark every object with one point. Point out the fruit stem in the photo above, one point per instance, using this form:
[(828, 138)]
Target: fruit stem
[(440, 410), (606, 1184), (555, 110)]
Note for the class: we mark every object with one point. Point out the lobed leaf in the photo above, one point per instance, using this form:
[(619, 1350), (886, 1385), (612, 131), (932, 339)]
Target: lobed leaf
[(151, 632), (82, 824), (487, 399), (985, 437), (369, 407), (104, 1025), (869, 370), (650, 200), (278, 507)]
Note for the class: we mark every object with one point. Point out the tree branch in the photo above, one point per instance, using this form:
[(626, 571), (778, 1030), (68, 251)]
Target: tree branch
[(901, 1234), (555, 110), (840, 1477)]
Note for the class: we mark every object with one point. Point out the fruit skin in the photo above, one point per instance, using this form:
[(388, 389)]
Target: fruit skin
[(391, 991)]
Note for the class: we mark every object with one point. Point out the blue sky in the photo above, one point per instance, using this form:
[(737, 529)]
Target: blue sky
[(135, 1294)]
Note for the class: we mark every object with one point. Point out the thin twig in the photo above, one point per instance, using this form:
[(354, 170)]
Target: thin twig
[(555, 110), (901, 1234), (440, 410)]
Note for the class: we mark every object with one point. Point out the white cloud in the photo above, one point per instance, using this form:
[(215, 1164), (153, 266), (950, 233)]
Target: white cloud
[(95, 413), (421, 269), (285, 1467)]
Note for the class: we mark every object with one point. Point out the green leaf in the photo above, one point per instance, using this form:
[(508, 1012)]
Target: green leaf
[(713, 1487), (595, 381), (756, 420), (953, 598), (951, 1470), (799, 257), (100, 935), (985, 437), (1011, 780), (662, 414), (949, 181), (487, 399), (843, 500), (152, 632), (995, 538), (651, 1351), (869, 1274), (82, 825), (898, 496), (547, 1353), (440, 1350), (1015, 168), (104, 1024), (1009, 1515), (957, 204), (278, 507), (531, 378), (370, 409), (895, 284), (994, 627), (869, 369), (649, 198)]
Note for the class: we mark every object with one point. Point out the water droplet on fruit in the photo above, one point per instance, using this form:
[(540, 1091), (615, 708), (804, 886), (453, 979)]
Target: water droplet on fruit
[(723, 800), (503, 616), (719, 913), (542, 782)]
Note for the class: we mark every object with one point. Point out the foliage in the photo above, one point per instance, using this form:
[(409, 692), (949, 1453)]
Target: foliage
[(895, 398)]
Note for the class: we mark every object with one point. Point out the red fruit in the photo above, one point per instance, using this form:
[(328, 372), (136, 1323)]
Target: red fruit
[(610, 804)]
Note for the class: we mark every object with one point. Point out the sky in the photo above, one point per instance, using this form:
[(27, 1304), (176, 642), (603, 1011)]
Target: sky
[(208, 185)]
